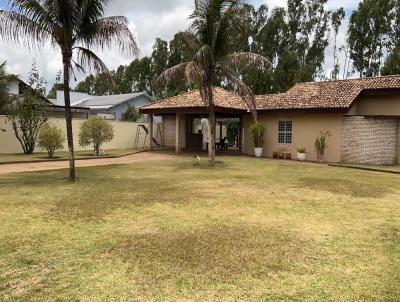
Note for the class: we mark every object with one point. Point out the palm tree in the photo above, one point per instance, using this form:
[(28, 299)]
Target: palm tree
[(209, 37), (74, 26)]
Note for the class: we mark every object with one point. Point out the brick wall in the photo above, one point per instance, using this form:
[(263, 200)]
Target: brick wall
[(370, 140)]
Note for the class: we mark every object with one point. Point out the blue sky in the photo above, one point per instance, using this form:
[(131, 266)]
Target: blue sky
[(148, 19)]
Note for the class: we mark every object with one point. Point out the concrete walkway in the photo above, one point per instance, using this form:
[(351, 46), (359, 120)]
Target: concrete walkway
[(42, 166)]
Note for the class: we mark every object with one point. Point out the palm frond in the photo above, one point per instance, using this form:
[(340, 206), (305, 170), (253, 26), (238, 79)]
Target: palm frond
[(19, 29), (229, 75), (111, 32), (193, 72), (241, 59), (89, 61), (204, 56), (171, 74)]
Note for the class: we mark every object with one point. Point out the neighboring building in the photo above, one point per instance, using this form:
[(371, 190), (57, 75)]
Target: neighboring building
[(110, 107), (16, 87), (362, 116)]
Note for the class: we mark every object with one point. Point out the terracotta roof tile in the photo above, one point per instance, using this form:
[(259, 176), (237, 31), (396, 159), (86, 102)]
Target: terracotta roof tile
[(325, 95), (313, 95), (192, 99)]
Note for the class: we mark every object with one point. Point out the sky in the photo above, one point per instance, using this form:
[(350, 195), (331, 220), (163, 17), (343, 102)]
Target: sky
[(148, 19)]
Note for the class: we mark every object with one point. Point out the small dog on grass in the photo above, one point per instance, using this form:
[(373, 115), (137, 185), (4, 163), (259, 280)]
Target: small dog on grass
[(197, 160)]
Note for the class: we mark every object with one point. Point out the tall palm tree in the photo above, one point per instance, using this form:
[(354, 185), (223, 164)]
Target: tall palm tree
[(75, 27), (209, 37)]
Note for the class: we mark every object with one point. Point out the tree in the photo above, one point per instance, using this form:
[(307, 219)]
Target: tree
[(392, 63), (95, 132), (4, 93), (159, 59), (29, 111), (87, 85), (336, 22), (56, 86), (51, 138), (131, 114), (369, 35), (74, 26), (232, 129), (211, 31)]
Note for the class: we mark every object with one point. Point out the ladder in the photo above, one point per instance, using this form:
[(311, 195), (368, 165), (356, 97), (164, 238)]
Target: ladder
[(142, 131)]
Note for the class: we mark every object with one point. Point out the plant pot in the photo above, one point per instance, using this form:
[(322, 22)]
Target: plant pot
[(258, 152), (301, 156), (275, 155)]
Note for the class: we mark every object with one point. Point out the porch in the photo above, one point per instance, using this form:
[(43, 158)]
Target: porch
[(186, 132), (185, 121)]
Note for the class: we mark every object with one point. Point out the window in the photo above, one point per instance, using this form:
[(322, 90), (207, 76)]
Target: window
[(285, 132)]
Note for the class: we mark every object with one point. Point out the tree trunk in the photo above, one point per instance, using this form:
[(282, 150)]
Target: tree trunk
[(67, 55)]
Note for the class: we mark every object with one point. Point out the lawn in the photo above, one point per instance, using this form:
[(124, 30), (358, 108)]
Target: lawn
[(250, 230), (60, 155)]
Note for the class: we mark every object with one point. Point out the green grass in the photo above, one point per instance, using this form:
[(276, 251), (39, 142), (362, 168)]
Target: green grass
[(250, 230), (41, 156)]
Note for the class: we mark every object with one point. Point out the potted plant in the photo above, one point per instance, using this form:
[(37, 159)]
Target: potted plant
[(301, 154), (257, 131), (321, 145)]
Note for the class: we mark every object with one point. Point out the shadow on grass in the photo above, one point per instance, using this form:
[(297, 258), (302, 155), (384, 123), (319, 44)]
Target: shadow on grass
[(216, 252), (344, 186)]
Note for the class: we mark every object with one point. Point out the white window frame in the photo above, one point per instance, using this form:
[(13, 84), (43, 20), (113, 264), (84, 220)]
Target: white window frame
[(286, 134)]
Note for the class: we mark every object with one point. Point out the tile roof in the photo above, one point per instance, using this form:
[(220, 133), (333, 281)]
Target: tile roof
[(192, 99), (325, 95), (313, 95)]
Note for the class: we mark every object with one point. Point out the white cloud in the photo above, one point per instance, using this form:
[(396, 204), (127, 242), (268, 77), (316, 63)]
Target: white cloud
[(148, 19)]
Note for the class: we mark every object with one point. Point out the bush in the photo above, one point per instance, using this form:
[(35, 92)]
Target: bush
[(301, 150), (95, 132), (131, 114), (232, 129), (257, 131), (50, 138), (320, 144)]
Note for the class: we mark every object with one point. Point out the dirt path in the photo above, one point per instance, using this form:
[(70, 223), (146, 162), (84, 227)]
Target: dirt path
[(133, 158)]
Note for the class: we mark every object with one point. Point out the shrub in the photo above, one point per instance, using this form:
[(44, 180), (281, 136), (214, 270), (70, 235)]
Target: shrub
[(232, 129), (50, 138), (131, 114), (301, 150), (95, 132), (257, 131), (320, 143)]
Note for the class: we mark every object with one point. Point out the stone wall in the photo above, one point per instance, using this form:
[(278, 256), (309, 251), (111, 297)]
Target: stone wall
[(370, 140)]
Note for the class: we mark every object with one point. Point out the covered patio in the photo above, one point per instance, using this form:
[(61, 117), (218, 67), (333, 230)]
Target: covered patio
[(185, 121)]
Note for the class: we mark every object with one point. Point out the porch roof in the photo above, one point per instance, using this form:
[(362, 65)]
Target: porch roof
[(191, 102)]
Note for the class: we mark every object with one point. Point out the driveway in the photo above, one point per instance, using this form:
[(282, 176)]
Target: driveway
[(128, 159)]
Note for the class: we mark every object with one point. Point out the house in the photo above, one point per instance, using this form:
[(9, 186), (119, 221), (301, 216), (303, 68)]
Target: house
[(110, 107), (16, 87), (362, 116)]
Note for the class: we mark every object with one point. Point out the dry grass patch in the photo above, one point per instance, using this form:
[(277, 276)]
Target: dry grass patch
[(248, 230)]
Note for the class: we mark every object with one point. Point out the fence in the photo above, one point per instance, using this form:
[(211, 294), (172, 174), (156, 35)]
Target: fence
[(124, 135)]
